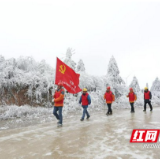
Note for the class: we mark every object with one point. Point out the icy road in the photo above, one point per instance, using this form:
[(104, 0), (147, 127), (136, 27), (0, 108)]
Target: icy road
[(100, 137)]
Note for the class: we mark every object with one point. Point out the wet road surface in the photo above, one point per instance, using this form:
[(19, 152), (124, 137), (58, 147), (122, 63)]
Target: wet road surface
[(99, 137)]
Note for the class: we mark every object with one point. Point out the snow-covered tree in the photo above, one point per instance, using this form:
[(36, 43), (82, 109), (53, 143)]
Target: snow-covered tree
[(113, 78), (25, 81), (25, 75), (135, 85), (155, 89), (113, 69), (68, 60), (80, 66), (156, 85), (86, 81), (1, 59)]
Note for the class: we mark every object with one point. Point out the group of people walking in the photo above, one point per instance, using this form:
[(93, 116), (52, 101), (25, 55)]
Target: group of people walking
[(85, 100)]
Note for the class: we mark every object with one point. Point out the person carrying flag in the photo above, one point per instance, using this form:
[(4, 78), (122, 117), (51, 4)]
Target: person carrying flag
[(70, 79), (58, 103)]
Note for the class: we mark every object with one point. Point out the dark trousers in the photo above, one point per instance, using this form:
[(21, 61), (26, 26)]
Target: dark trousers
[(59, 115), (145, 103), (132, 107), (109, 107)]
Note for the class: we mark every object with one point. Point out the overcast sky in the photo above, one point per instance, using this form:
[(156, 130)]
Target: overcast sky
[(96, 29)]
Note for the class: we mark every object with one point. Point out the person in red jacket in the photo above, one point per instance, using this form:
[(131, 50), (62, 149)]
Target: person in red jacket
[(109, 97), (147, 98), (85, 99), (132, 98), (58, 103)]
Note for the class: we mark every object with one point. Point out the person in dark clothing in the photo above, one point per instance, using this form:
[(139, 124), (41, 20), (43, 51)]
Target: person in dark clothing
[(147, 99)]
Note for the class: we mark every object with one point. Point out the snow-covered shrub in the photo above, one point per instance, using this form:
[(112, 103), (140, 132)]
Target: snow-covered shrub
[(10, 112), (25, 74)]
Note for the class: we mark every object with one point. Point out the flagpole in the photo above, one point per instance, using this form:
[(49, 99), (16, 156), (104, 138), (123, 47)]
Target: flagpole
[(55, 77), (55, 72)]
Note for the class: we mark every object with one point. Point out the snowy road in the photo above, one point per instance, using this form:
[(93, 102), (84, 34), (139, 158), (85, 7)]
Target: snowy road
[(100, 137)]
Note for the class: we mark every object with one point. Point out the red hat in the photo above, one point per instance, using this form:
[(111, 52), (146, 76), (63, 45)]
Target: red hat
[(60, 84), (108, 88), (131, 89)]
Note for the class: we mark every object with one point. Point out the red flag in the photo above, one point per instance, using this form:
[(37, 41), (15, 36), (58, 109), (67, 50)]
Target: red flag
[(67, 76)]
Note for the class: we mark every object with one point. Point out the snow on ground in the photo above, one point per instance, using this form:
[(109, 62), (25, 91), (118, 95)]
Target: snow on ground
[(16, 117), (99, 137)]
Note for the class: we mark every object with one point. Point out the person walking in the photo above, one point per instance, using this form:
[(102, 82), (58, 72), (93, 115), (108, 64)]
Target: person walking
[(85, 99), (109, 97), (58, 104), (147, 99), (132, 98)]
